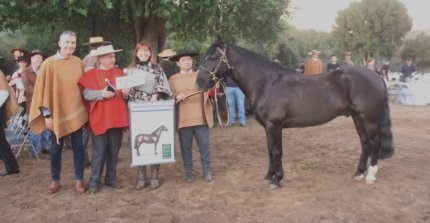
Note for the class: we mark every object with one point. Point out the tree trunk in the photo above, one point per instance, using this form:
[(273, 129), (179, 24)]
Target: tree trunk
[(154, 33)]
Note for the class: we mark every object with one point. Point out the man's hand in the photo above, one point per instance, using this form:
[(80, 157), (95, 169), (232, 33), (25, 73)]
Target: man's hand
[(48, 123), (180, 96), (107, 94)]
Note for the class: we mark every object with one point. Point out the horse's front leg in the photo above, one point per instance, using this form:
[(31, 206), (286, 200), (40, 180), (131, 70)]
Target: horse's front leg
[(274, 144), (155, 148), (271, 171)]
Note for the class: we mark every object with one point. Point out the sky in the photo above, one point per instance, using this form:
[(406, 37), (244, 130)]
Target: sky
[(308, 13)]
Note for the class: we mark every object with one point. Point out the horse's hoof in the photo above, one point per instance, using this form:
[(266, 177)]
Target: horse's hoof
[(359, 177), (274, 186), (370, 182)]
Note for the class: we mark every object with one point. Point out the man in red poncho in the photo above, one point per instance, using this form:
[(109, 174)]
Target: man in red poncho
[(108, 116)]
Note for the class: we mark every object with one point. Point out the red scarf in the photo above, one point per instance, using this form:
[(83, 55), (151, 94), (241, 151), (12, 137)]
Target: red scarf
[(108, 113)]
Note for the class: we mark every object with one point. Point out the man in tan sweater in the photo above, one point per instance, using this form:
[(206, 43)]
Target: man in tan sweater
[(195, 115)]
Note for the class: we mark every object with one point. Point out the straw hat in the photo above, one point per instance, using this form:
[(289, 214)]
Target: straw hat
[(314, 52), (103, 50), (96, 40), (35, 52), (183, 53), (166, 53)]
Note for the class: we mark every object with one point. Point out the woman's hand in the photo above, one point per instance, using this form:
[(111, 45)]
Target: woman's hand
[(125, 92), (154, 97)]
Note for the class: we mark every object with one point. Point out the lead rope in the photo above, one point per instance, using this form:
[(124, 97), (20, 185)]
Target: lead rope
[(221, 84)]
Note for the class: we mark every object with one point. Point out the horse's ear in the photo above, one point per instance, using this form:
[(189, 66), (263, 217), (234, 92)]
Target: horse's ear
[(220, 42)]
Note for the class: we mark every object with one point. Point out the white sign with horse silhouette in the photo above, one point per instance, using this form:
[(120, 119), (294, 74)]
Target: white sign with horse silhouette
[(152, 132)]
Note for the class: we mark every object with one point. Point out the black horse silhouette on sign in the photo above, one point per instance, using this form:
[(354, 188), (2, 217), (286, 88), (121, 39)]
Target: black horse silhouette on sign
[(149, 138)]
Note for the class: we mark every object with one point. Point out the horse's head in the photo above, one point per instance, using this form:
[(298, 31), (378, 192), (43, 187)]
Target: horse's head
[(214, 66), (163, 128)]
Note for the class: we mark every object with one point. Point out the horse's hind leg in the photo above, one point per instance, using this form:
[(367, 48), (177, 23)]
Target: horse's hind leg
[(274, 143), (136, 146), (373, 167), (365, 146)]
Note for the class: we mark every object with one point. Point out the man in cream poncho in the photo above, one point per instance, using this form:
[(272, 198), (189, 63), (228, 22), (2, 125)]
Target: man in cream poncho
[(57, 106)]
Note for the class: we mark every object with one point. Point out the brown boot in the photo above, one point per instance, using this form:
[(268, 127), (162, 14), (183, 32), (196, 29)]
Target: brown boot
[(54, 187)]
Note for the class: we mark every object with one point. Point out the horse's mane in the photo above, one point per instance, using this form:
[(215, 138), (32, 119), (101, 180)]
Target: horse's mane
[(257, 59)]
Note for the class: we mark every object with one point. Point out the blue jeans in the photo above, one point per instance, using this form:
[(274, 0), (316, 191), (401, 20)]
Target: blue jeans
[(236, 97), (78, 155), (40, 141), (201, 133)]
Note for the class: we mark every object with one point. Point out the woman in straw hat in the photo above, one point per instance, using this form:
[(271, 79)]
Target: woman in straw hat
[(157, 88), (108, 116)]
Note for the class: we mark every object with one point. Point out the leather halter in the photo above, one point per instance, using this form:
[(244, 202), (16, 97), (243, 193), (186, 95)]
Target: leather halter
[(223, 58)]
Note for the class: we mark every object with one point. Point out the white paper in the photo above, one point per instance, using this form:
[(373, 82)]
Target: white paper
[(129, 81)]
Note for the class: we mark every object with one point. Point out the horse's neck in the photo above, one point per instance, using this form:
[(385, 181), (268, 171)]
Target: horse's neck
[(158, 130), (244, 73)]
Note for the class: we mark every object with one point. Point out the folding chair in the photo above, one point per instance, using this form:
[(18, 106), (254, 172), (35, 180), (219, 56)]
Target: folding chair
[(19, 137)]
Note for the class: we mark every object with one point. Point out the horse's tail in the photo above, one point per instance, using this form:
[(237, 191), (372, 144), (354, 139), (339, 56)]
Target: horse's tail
[(386, 147)]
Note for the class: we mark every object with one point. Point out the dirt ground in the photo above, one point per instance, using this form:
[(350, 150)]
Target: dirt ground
[(318, 186)]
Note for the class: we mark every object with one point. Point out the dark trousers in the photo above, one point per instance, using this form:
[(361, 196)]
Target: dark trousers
[(6, 153), (78, 155), (186, 135), (105, 148)]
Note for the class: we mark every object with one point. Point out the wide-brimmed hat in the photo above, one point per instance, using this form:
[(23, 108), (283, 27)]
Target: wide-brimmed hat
[(167, 53), (96, 40), (347, 53), (20, 49), (35, 52), (183, 53), (103, 50), (314, 52)]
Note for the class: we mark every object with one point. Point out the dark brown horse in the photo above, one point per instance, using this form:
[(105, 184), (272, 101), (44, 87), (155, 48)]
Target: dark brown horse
[(149, 138), (282, 98)]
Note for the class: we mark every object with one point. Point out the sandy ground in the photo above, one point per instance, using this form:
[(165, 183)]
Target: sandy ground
[(318, 186)]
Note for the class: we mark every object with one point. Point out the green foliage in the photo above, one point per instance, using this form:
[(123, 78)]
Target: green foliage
[(418, 49), (8, 41), (372, 28), (296, 44), (124, 22), (194, 19)]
